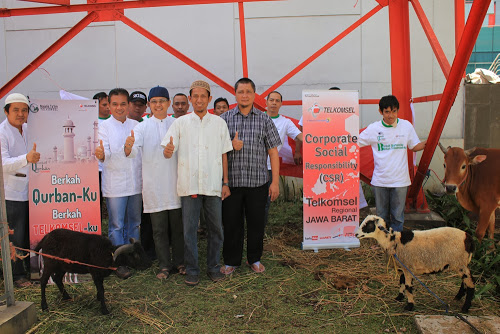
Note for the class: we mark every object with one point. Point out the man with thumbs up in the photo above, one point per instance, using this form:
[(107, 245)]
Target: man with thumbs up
[(159, 177), (16, 160), (121, 176), (201, 141), (254, 138)]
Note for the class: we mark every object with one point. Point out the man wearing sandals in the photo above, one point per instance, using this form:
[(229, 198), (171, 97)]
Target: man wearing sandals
[(16, 161), (254, 137), (201, 141), (159, 183)]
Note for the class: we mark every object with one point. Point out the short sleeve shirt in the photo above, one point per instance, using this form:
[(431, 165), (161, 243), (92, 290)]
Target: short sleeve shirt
[(390, 151), (248, 166), (285, 128), (200, 144)]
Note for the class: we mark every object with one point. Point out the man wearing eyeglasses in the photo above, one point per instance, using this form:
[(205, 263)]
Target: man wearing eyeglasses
[(159, 179)]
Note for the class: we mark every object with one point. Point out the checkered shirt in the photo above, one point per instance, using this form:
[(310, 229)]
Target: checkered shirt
[(248, 166)]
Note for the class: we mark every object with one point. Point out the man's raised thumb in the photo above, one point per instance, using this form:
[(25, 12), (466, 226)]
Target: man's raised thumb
[(236, 135), (132, 133), (100, 143), (34, 147), (171, 140)]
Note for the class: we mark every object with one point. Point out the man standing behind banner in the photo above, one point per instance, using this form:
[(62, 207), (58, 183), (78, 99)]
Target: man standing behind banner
[(15, 162), (254, 137), (159, 178), (285, 128), (180, 105), (102, 97), (121, 177), (202, 141)]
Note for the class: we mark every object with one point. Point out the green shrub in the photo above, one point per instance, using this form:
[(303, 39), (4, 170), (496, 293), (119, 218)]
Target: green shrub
[(485, 263)]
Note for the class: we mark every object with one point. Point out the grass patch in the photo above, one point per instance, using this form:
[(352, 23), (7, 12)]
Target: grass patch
[(332, 291)]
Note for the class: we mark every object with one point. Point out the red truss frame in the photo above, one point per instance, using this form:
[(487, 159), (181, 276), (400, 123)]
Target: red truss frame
[(399, 29)]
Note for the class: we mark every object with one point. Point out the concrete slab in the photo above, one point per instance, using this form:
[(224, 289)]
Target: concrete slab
[(445, 324), (419, 221), (17, 319), (423, 221)]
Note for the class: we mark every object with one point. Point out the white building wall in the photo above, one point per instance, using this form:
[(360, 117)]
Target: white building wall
[(280, 35)]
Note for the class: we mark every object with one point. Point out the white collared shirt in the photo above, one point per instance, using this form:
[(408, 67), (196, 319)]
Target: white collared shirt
[(120, 176), (159, 175), (199, 144), (14, 150), (285, 128)]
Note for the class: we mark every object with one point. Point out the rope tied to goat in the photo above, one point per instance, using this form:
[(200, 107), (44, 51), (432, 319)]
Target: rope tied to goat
[(14, 256)]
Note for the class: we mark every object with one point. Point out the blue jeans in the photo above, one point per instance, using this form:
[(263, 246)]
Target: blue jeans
[(390, 203), (124, 218), (212, 205)]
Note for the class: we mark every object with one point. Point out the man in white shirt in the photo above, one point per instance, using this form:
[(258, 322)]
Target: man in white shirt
[(15, 163), (390, 139), (285, 128), (102, 97), (180, 105), (201, 141), (121, 177), (159, 179)]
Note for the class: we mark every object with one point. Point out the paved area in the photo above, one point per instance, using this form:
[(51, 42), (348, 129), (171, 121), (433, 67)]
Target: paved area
[(443, 324)]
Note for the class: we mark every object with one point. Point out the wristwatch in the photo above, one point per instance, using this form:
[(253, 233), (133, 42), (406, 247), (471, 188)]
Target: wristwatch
[(225, 184)]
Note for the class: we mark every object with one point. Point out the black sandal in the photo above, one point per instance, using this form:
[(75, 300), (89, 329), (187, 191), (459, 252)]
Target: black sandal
[(181, 269), (163, 274)]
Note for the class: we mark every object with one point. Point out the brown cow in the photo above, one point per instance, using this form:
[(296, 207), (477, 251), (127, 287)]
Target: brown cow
[(474, 177)]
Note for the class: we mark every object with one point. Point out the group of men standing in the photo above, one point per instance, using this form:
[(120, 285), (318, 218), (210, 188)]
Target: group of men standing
[(172, 168), (185, 164)]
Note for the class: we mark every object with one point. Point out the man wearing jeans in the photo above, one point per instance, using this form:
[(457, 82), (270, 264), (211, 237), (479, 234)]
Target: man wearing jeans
[(390, 139), (202, 141), (121, 177)]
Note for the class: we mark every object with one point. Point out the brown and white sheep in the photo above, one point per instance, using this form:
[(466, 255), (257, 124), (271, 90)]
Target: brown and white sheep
[(424, 252)]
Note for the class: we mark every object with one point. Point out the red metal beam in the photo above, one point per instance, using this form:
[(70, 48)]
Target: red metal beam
[(111, 6), (428, 98), (299, 102), (51, 2), (259, 101), (399, 28), (323, 49), (185, 59), (420, 99), (469, 37), (243, 40), (459, 20), (431, 37), (47, 53)]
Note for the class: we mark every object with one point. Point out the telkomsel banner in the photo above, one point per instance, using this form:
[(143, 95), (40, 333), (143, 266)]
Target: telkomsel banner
[(331, 168), (64, 184)]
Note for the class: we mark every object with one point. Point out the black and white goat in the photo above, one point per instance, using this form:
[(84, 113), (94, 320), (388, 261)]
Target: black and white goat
[(90, 249), (424, 252)]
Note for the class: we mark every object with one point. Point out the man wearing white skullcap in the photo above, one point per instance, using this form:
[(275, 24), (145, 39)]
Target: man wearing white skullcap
[(15, 162)]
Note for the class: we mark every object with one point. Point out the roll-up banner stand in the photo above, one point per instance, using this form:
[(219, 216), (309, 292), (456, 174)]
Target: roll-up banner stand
[(331, 168)]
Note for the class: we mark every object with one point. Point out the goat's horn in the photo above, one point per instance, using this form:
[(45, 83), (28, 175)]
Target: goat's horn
[(122, 249), (442, 148)]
